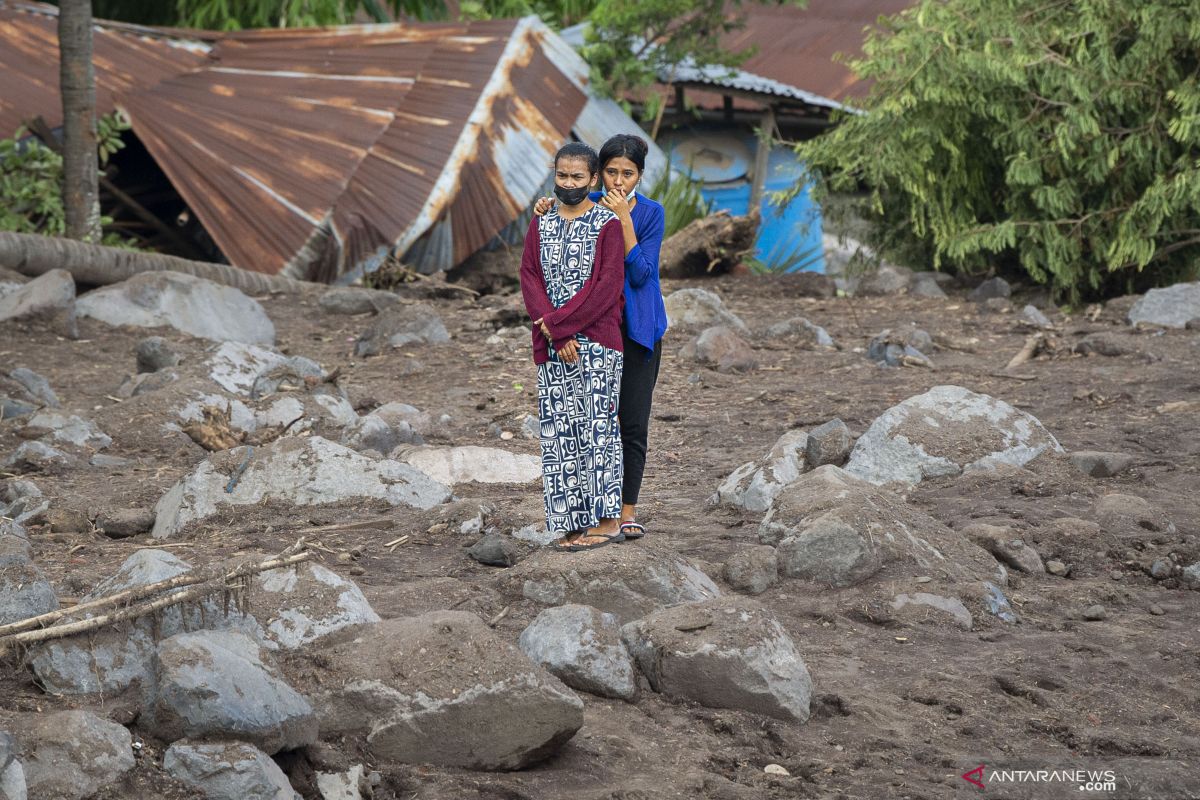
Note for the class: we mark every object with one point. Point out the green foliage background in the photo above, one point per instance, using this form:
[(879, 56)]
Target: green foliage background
[(31, 181), (1060, 139), (629, 44)]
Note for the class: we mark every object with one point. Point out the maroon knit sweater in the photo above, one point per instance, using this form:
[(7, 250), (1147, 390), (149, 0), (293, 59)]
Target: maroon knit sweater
[(594, 311)]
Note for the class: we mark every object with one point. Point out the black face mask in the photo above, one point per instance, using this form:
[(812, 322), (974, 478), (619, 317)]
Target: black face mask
[(571, 197)]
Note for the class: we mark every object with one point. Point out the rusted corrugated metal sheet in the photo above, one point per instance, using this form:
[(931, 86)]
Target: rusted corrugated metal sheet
[(797, 46), (467, 155), (316, 152), (262, 143), (125, 56)]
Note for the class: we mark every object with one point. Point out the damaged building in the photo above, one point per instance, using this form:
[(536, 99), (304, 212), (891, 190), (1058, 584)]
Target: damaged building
[(319, 153)]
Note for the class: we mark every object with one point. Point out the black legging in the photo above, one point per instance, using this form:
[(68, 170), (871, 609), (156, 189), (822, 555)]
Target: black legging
[(637, 391)]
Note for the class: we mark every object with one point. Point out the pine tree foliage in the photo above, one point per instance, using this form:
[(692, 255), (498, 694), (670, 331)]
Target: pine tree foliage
[(1057, 137)]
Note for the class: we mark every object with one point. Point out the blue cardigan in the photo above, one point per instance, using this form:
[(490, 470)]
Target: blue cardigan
[(645, 313)]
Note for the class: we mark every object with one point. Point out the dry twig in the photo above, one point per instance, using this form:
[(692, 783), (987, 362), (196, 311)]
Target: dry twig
[(20, 632), (1033, 343)]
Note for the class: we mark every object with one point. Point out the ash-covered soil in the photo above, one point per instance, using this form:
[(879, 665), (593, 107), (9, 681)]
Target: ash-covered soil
[(900, 710)]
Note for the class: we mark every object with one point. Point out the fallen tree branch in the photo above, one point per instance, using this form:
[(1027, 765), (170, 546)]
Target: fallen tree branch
[(1033, 343), (202, 585)]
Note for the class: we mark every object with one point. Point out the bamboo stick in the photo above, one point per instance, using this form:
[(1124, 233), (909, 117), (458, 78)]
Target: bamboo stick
[(287, 558)]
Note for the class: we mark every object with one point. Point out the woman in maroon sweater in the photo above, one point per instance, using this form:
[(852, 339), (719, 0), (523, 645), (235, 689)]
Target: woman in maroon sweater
[(572, 279)]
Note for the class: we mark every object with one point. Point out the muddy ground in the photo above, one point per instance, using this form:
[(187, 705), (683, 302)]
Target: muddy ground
[(900, 711)]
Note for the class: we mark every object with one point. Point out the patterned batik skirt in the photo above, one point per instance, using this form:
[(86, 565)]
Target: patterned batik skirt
[(581, 439)]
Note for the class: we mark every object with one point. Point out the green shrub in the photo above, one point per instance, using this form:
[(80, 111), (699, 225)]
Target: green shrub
[(1059, 140), (681, 199)]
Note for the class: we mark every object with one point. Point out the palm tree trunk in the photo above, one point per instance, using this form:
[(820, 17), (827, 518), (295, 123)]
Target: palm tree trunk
[(77, 85), (33, 255)]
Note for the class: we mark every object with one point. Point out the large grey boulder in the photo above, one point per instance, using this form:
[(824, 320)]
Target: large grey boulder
[(295, 414), (249, 370), (24, 593), (451, 465), (1172, 307), (921, 606), (48, 297), (1007, 547), (145, 382), (722, 348), (582, 647), (400, 326), (628, 582), (345, 785), (991, 289), (114, 659), (1190, 577), (216, 684), (11, 408), (356, 300), (308, 604), (120, 523), (12, 774), (902, 347), (693, 310), (495, 550), (1127, 513), (20, 500), (828, 443), (227, 771), (21, 506), (752, 570), (38, 457), (1100, 464), (831, 528), (888, 279), (799, 332), (11, 280), (946, 431), (755, 484), (927, 284), (371, 433), (443, 688), (725, 653), (71, 755), (70, 429), (154, 353), (36, 387), (14, 543), (301, 471), (409, 422), (186, 303)]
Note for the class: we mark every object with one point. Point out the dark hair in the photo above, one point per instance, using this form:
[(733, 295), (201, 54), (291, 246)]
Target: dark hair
[(625, 145), (578, 150)]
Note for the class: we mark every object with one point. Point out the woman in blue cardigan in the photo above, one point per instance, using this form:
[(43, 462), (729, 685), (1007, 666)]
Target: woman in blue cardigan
[(622, 164)]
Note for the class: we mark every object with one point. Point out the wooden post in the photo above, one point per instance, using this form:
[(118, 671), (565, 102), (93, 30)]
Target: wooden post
[(766, 135)]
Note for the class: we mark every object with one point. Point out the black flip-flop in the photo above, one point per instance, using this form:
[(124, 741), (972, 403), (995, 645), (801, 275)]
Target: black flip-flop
[(633, 530), (563, 543), (607, 540)]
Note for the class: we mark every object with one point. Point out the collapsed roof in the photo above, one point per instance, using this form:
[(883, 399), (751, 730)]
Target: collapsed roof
[(317, 152)]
